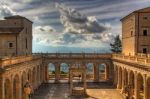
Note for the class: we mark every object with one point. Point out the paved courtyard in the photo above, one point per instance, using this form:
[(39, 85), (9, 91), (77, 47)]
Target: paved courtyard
[(61, 91)]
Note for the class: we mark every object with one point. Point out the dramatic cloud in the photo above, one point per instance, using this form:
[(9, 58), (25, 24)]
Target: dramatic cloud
[(75, 22), (6, 11), (45, 29)]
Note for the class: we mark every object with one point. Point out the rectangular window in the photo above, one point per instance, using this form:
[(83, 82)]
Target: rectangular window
[(131, 33), (10, 45), (144, 50), (145, 31), (26, 43), (145, 17)]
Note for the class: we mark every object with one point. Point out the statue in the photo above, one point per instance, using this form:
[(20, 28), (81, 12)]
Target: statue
[(27, 90)]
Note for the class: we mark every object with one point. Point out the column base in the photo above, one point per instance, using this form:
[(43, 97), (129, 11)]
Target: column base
[(57, 81)]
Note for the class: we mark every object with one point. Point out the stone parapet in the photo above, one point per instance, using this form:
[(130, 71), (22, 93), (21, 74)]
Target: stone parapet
[(7, 61), (141, 59)]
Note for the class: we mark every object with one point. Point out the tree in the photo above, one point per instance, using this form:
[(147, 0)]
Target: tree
[(116, 46)]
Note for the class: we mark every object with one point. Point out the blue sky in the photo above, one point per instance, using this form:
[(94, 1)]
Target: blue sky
[(72, 25)]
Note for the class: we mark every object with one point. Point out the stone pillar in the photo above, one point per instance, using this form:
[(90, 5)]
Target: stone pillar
[(96, 72), (57, 73), (129, 78), (123, 79), (69, 73), (85, 86), (71, 83), (119, 79), (145, 87), (20, 89), (46, 74), (115, 75), (106, 72), (136, 86), (1, 88)]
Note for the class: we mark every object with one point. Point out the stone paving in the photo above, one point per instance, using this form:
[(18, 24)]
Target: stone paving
[(61, 91)]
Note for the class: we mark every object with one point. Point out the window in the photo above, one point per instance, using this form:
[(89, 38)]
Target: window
[(10, 45), (145, 32), (131, 33), (145, 17), (26, 43), (144, 50)]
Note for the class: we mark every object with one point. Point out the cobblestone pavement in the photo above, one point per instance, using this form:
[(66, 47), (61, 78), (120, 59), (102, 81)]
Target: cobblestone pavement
[(61, 91)]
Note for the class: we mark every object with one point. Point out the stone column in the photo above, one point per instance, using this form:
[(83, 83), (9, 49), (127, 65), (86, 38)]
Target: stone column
[(71, 83), (1, 88), (129, 78), (123, 79), (145, 87), (96, 72), (119, 79), (46, 74), (115, 75), (57, 73), (106, 72), (136, 86), (85, 86), (69, 73), (20, 89)]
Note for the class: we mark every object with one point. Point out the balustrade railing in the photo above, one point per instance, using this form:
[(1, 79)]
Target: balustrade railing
[(6, 61)]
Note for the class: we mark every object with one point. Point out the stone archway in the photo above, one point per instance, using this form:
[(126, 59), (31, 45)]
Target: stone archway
[(119, 86), (131, 79), (125, 77), (64, 71), (38, 75), (103, 72), (51, 71), (140, 86), (7, 89), (23, 83), (90, 71), (16, 87), (115, 75), (148, 88), (29, 75), (34, 78)]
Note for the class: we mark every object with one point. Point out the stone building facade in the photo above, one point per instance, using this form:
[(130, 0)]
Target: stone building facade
[(15, 36), (136, 32)]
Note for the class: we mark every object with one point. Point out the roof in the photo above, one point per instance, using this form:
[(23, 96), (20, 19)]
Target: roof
[(17, 17), (10, 30), (144, 10)]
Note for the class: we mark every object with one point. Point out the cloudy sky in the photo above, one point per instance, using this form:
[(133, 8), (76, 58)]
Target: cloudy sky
[(72, 25)]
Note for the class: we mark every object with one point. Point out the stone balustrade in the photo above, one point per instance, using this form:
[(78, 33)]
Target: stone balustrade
[(143, 59), (75, 55), (7, 61)]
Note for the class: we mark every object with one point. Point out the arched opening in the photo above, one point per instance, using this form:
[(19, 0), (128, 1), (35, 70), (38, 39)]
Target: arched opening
[(29, 76), (51, 71), (103, 72), (125, 77), (131, 79), (41, 74), (64, 71), (23, 83), (90, 71), (7, 89), (16, 87), (140, 86), (119, 78), (38, 74), (115, 75), (34, 78), (148, 88)]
